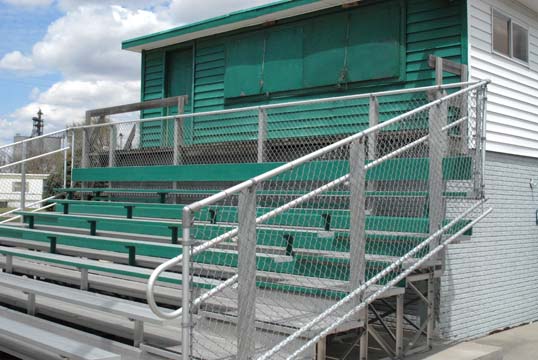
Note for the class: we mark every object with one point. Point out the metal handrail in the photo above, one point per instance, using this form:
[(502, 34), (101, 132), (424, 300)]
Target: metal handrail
[(33, 138), (375, 280), (35, 157), (189, 209)]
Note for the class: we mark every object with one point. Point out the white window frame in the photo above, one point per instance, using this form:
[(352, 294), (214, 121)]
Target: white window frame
[(510, 37)]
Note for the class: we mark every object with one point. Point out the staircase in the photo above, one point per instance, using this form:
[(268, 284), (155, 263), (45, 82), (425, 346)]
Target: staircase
[(295, 241)]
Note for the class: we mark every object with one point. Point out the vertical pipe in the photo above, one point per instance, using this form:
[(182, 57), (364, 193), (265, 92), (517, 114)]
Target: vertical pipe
[(65, 143), (185, 284), (246, 271), (262, 134), (72, 156), (357, 230), (399, 326), (357, 185), (437, 147), (431, 315), (112, 146), (178, 132), (23, 176), (464, 128), (373, 120)]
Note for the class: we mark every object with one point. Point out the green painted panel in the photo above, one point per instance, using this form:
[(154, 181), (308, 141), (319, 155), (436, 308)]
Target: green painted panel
[(455, 168), (324, 50), (429, 27), (375, 48), (244, 59), (283, 65)]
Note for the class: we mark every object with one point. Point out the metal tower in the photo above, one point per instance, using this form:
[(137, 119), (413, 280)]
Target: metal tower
[(38, 124)]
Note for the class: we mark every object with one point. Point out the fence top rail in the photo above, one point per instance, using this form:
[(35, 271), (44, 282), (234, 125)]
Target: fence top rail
[(35, 138), (292, 164), (173, 101), (285, 104)]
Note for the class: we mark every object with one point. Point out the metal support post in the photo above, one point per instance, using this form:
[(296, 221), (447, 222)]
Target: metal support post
[(23, 177), (246, 270), (437, 149), (72, 156), (464, 128), (84, 282), (65, 145), (185, 285), (9, 264), (373, 120), (479, 146), (112, 146), (321, 349), (357, 185), (262, 134), (431, 309), (30, 304), (85, 161), (178, 132), (399, 326), (363, 347), (357, 252), (138, 336)]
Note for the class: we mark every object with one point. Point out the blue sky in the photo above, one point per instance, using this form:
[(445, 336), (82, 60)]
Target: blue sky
[(20, 28), (65, 57)]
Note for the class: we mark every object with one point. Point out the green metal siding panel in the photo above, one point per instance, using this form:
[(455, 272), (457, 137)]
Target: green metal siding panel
[(431, 27), (374, 50), (417, 169), (324, 50), (244, 59)]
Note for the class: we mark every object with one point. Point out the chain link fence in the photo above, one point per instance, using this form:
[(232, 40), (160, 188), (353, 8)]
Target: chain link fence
[(29, 170), (361, 191)]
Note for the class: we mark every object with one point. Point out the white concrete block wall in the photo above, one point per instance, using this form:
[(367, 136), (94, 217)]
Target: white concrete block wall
[(491, 282)]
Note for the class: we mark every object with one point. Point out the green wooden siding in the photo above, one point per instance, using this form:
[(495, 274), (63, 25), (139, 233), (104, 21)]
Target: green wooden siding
[(429, 26)]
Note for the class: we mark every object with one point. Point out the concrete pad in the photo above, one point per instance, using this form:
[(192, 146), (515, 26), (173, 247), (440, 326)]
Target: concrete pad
[(519, 343), (468, 351)]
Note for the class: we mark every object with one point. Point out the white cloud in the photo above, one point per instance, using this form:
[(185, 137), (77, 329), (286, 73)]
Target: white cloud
[(17, 62), (84, 46), (66, 102), (28, 3), (188, 11), (86, 42)]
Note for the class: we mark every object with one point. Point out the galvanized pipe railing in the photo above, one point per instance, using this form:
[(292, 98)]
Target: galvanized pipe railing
[(190, 209), (357, 292)]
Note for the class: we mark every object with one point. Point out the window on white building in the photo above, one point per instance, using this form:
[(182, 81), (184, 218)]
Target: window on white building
[(17, 185), (509, 38)]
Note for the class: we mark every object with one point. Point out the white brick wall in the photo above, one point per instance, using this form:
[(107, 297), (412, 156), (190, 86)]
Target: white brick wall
[(491, 282)]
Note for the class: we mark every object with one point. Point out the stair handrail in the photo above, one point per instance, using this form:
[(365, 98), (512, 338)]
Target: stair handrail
[(190, 209), (374, 280)]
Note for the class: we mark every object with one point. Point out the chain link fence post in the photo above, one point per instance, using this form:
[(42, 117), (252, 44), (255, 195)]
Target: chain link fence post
[(246, 270), (186, 324), (23, 177), (262, 134)]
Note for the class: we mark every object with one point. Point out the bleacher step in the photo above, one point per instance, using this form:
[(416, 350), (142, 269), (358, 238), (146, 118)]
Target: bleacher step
[(38, 334)]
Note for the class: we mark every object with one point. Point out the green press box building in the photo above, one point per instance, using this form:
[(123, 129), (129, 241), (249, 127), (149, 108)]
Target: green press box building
[(307, 49)]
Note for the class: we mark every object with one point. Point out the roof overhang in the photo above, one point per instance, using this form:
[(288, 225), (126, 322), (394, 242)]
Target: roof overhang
[(531, 4), (233, 21)]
